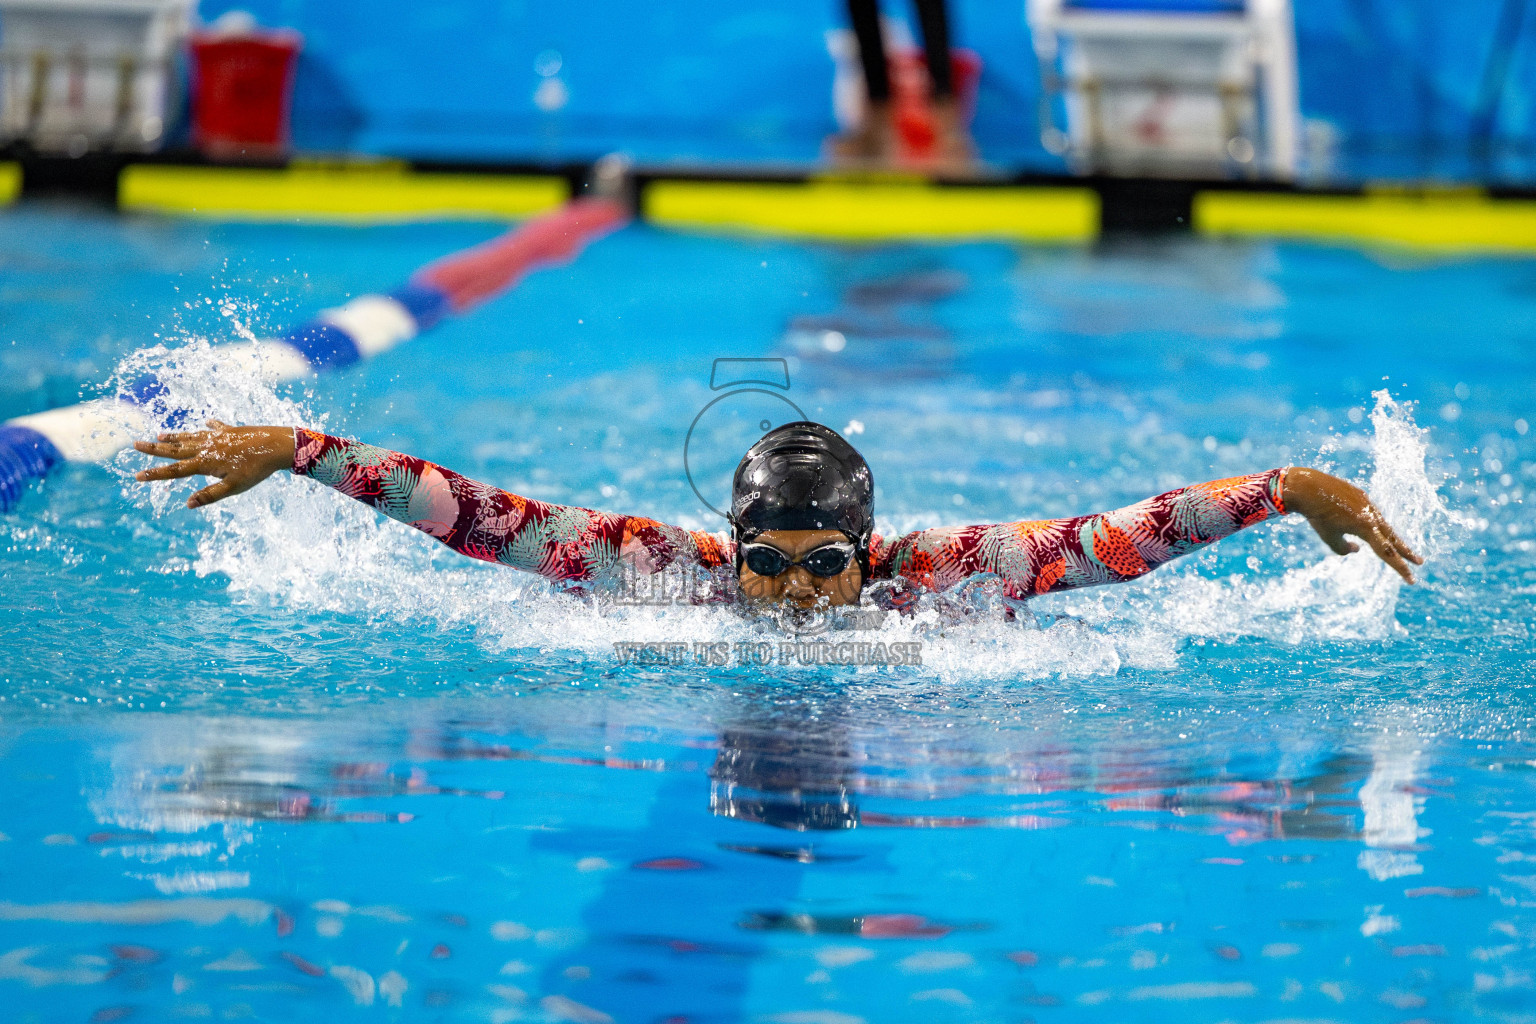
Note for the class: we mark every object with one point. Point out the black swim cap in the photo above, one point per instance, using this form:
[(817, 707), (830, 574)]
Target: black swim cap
[(803, 476)]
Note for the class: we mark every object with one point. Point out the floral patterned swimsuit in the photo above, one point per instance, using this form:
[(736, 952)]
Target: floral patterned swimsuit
[(568, 544)]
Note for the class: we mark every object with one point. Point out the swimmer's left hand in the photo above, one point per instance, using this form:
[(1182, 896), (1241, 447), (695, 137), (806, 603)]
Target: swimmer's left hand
[(1337, 507), (241, 457)]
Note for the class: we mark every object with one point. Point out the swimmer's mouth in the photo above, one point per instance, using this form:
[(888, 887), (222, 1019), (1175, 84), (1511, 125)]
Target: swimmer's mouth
[(797, 609), (796, 616)]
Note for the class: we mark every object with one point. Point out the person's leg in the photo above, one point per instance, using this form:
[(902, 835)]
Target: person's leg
[(953, 144), (935, 23), (874, 137), (865, 16)]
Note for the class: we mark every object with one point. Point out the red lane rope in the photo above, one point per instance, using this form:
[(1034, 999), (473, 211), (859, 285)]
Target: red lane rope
[(470, 277)]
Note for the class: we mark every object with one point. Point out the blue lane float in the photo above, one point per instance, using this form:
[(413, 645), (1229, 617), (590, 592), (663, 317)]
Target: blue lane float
[(25, 455), (367, 326)]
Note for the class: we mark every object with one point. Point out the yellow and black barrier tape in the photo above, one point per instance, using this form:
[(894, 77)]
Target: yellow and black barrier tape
[(1440, 220), (348, 192), (879, 209)]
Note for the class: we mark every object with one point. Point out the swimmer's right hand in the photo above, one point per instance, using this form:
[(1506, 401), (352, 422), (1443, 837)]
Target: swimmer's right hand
[(241, 457)]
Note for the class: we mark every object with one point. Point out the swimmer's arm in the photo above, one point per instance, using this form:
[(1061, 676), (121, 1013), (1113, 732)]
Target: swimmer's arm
[(1129, 542), (1060, 554), (559, 542)]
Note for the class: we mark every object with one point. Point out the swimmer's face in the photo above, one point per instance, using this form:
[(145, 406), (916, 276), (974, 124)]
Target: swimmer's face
[(796, 585)]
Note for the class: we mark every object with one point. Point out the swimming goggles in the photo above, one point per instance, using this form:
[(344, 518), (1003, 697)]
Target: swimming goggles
[(826, 561)]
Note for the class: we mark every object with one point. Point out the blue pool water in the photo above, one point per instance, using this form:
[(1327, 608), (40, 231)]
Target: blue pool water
[(281, 760)]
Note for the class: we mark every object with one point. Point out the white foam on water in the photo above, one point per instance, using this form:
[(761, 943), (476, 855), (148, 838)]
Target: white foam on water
[(1328, 597), (307, 549)]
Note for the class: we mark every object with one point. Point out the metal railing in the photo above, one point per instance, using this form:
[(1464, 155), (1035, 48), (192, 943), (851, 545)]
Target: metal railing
[(1242, 137), (75, 102)]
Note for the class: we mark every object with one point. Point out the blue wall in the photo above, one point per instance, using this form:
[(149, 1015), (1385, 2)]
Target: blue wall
[(1406, 85), (1400, 83)]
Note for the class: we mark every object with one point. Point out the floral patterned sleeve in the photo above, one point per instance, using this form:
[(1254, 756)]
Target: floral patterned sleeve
[(1041, 556), (559, 542)]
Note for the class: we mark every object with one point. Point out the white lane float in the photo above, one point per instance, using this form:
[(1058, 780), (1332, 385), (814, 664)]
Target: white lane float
[(365, 327)]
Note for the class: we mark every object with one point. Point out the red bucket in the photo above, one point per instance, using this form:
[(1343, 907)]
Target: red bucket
[(242, 88)]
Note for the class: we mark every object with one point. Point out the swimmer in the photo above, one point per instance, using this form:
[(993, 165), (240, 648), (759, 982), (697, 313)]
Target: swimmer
[(802, 520)]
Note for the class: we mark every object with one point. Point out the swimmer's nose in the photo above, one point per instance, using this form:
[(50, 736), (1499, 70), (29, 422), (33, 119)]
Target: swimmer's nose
[(798, 586)]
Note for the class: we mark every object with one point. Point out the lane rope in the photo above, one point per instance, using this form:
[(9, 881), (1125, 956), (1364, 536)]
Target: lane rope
[(367, 326)]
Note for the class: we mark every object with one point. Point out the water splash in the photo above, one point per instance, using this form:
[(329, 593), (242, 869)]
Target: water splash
[(299, 546), (1328, 598)]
